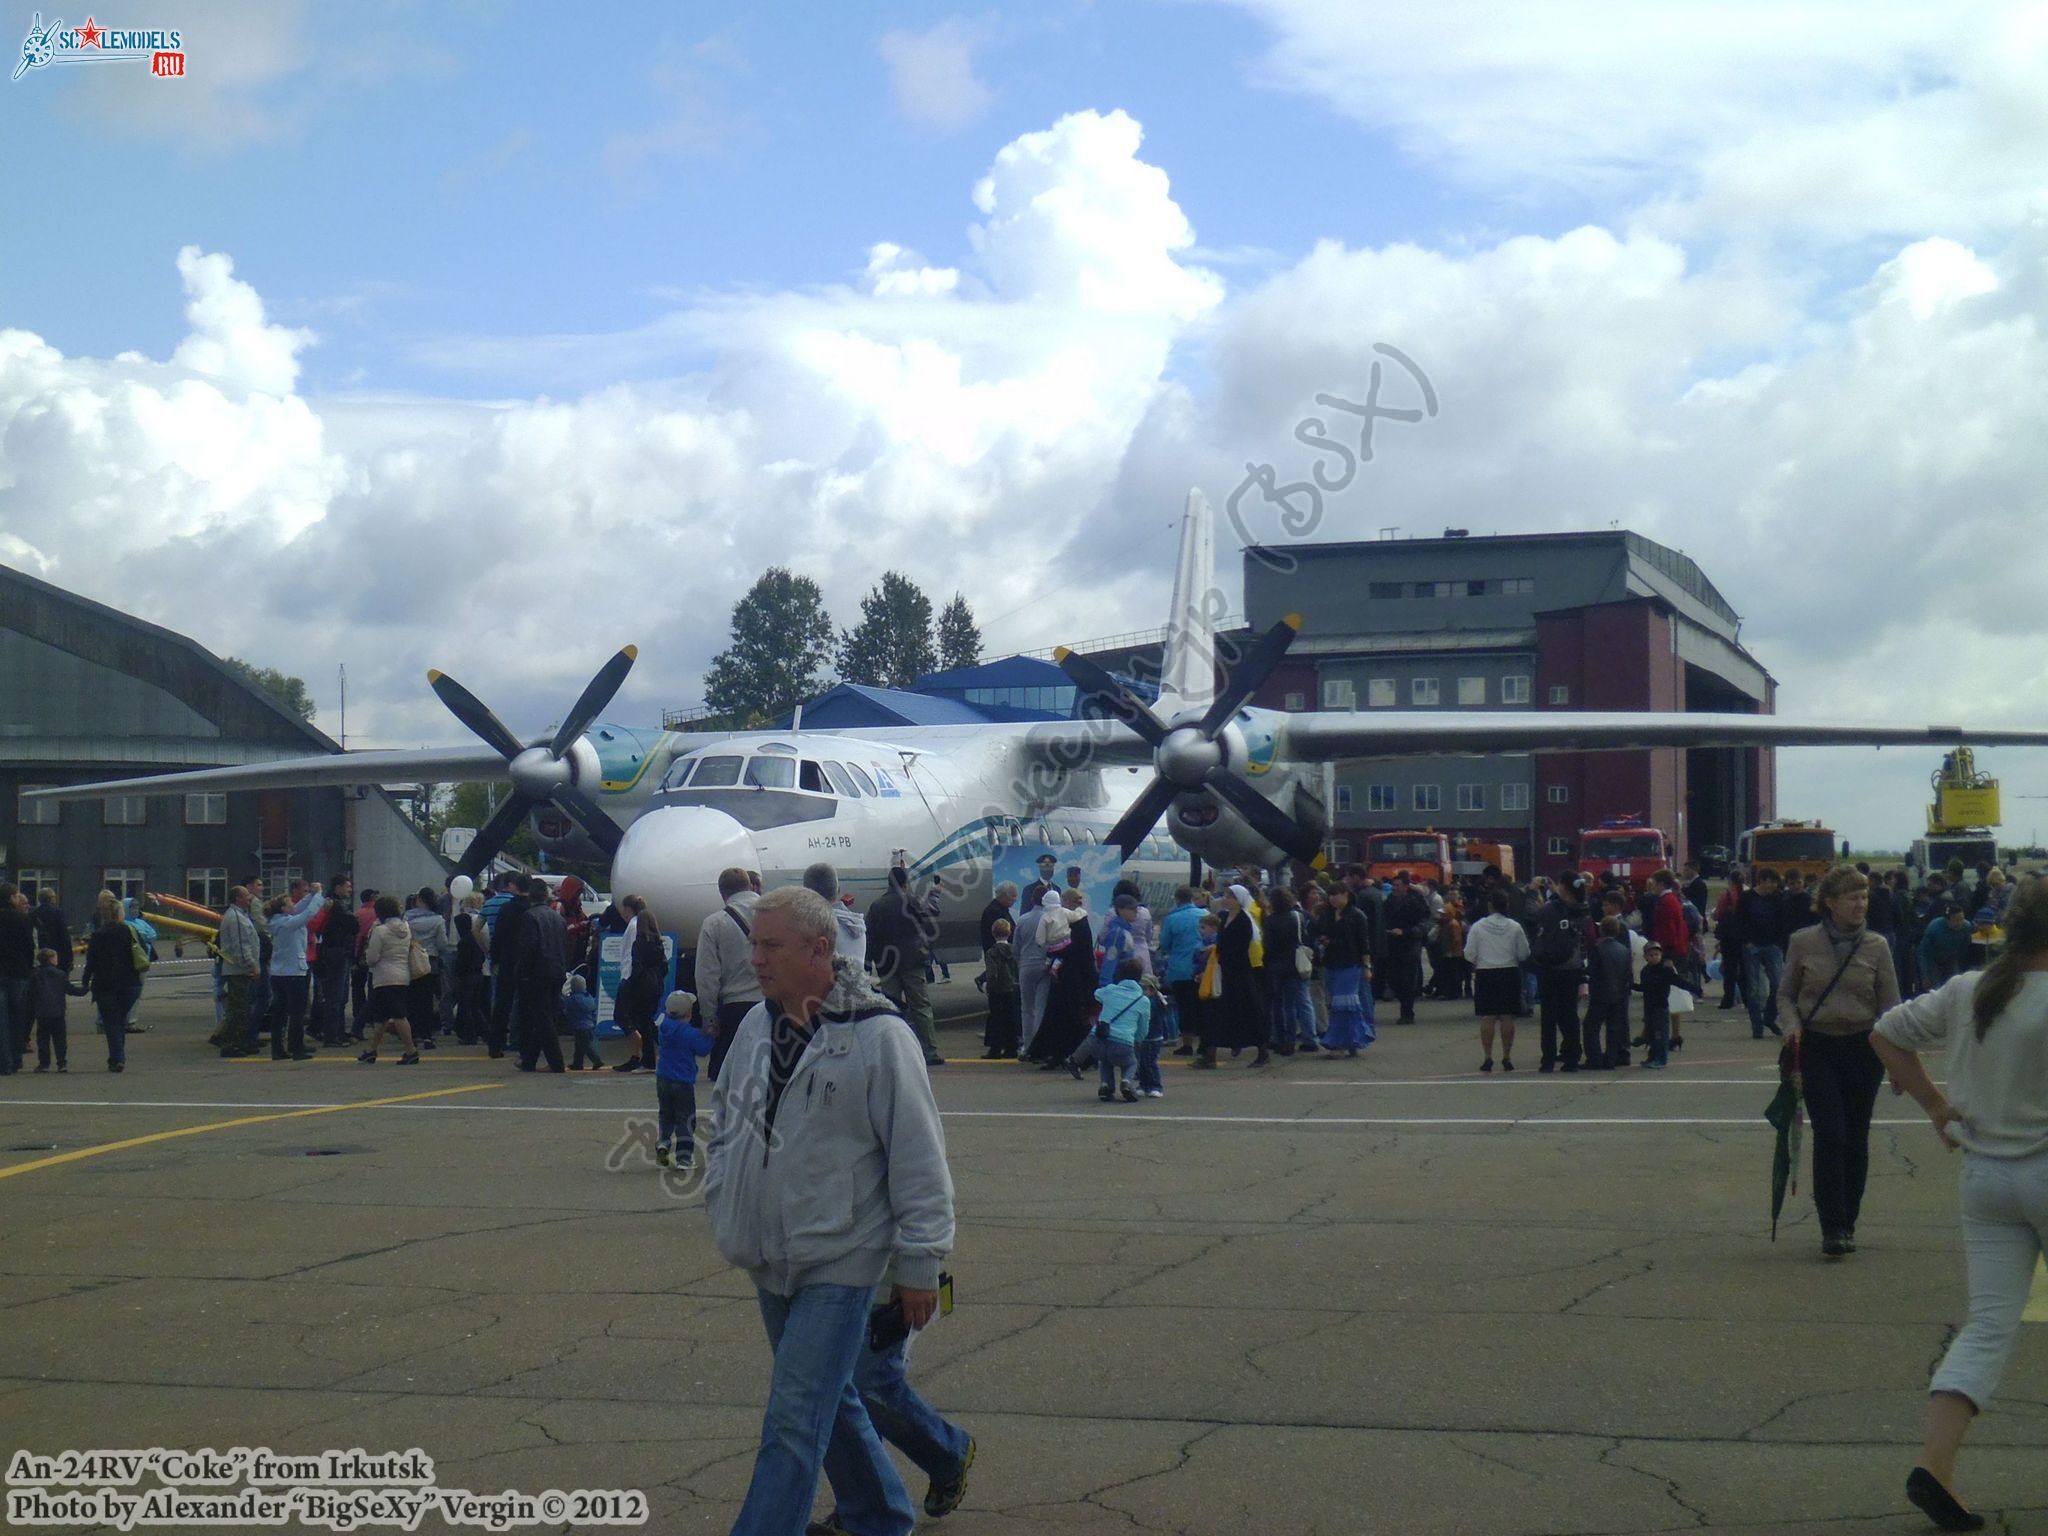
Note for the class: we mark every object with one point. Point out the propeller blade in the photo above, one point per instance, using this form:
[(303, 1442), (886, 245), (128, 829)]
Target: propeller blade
[(495, 833), (1250, 674), (473, 712), (1136, 824), (590, 817), (1126, 706), (595, 696), (1266, 818)]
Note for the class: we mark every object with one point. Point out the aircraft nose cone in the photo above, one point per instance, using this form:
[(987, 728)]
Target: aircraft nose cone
[(671, 856)]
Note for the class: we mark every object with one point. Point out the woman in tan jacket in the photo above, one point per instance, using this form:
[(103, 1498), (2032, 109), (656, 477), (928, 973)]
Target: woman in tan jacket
[(1838, 978)]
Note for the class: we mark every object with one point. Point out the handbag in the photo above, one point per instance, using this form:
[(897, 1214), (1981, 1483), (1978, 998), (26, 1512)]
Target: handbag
[(1304, 961), (417, 965), (1211, 985), (138, 955)]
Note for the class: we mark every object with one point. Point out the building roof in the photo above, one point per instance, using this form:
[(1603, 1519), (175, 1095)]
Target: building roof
[(854, 704), (1007, 672)]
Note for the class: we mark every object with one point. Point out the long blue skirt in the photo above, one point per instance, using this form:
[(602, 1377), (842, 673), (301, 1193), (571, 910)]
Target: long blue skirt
[(1350, 1009)]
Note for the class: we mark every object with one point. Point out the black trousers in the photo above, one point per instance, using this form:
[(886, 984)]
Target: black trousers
[(1005, 1022), (729, 1016), (50, 1034), (288, 995), (538, 1003), (1558, 996), (1404, 965), (1843, 1075), (1610, 1015)]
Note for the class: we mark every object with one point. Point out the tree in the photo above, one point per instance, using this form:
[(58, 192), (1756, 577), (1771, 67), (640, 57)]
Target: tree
[(781, 650), (959, 635), (891, 647), (471, 805), (287, 690)]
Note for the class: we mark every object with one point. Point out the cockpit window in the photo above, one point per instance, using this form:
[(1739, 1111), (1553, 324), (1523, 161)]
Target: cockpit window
[(810, 776), (860, 777), (771, 773), (777, 746), (842, 780), (715, 771)]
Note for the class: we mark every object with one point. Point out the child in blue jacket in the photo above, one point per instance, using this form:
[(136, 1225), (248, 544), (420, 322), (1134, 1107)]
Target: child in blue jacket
[(583, 1019), (675, 1079), (1126, 1019)]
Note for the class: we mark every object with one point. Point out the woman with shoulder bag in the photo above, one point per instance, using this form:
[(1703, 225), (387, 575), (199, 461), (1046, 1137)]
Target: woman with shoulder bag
[(1838, 979), (1287, 977)]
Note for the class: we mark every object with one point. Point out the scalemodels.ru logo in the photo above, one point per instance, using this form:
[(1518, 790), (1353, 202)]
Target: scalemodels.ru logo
[(162, 50)]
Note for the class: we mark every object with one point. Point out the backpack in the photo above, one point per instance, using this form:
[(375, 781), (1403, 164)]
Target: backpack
[(1557, 944)]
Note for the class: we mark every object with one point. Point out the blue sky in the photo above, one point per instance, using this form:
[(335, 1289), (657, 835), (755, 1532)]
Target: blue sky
[(492, 336)]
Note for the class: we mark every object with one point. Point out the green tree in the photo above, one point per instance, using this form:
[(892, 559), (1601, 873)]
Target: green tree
[(959, 635), (470, 805), (891, 647), (287, 690), (781, 650)]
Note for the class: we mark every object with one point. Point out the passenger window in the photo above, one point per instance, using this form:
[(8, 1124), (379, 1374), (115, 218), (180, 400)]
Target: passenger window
[(715, 772), (860, 777), (810, 776), (1044, 834), (771, 772), (1066, 837), (841, 781)]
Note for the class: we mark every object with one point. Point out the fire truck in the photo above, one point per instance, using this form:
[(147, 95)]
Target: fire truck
[(1434, 856), (1624, 846)]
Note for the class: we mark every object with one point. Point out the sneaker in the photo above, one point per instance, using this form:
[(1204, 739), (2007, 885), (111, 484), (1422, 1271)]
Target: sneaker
[(62, 1068), (1130, 1094), (1150, 1093), (43, 1067), (944, 1498), (368, 1057), (630, 1064), (1074, 1067), (1105, 1094), (302, 1055), (661, 1156), (1833, 1247)]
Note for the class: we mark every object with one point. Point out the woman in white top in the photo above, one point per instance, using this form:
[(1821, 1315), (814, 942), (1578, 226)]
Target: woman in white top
[(1496, 946), (1995, 1025)]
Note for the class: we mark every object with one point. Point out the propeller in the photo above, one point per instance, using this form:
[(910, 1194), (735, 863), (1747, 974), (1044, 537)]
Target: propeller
[(1195, 755), (540, 775)]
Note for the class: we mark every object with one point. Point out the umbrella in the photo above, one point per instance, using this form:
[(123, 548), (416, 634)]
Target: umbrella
[(1787, 1114)]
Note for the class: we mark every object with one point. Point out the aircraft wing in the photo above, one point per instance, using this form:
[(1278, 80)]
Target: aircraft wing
[(1336, 736), (428, 765), (1087, 744)]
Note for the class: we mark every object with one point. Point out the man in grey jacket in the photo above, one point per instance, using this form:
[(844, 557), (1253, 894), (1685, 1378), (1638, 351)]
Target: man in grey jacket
[(827, 1171), (241, 958), (726, 986)]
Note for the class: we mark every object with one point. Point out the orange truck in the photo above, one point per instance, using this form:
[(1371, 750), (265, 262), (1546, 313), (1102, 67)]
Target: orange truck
[(1433, 856), (1632, 851)]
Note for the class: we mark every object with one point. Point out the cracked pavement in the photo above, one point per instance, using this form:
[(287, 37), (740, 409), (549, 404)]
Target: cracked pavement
[(1384, 1295)]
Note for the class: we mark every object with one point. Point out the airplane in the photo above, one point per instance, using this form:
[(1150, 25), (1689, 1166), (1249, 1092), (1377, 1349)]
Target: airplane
[(1235, 786)]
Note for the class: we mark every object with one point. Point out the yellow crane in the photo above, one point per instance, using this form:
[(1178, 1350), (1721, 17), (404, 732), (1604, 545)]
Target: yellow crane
[(1962, 817)]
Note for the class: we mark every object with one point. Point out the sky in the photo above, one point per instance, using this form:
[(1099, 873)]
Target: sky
[(492, 336)]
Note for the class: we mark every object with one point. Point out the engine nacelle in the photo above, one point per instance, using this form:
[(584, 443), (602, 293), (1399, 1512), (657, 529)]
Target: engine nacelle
[(1204, 825)]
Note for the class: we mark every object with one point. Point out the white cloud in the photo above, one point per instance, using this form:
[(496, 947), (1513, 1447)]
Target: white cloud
[(1825, 118), (932, 74)]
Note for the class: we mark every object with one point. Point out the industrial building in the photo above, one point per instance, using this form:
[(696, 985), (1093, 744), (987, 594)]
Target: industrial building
[(1579, 621), (89, 693)]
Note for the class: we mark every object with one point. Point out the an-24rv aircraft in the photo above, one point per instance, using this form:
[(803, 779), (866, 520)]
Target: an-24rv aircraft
[(1235, 786)]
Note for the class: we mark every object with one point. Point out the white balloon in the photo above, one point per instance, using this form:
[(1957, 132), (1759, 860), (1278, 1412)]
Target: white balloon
[(461, 886)]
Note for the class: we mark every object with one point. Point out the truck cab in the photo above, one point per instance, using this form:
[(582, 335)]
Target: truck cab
[(1624, 847), (1422, 855)]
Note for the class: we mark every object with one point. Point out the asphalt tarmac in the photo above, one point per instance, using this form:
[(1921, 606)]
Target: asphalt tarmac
[(1381, 1295)]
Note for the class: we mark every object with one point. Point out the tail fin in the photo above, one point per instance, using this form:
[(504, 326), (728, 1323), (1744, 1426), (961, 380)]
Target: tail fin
[(1187, 680)]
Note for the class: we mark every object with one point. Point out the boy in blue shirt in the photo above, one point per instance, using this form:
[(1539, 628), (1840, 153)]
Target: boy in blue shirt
[(675, 1079), (583, 1019)]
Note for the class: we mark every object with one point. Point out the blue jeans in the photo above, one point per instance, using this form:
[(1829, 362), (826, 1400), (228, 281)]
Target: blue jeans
[(1762, 966), (815, 1422), (1294, 1019), (904, 1419), (1148, 1066), (1112, 1054)]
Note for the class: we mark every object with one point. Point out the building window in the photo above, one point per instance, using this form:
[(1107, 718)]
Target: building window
[(1422, 690), (1518, 586), (1428, 798), (1382, 589), (1343, 797), (36, 813), (1472, 690), (206, 811), (1340, 854), (36, 881), (1559, 794), (1296, 701), (1471, 797), (1514, 690), (124, 810), (1514, 797), (1560, 693), (1560, 845), (1438, 588), (1475, 589), (1337, 693), (208, 887), (1379, 797), (125, 883), (1379, 693)]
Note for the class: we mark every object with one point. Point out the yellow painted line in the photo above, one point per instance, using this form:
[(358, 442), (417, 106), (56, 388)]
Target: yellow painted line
[(2037, 1299), (228, 1125)]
